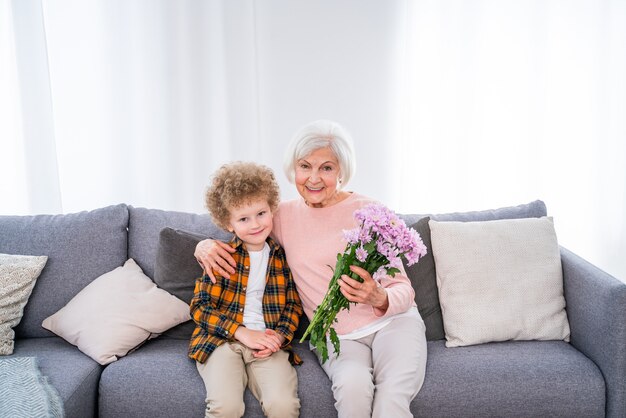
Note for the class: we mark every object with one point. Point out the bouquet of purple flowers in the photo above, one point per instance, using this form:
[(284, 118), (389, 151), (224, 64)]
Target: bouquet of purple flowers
[(378, 246)]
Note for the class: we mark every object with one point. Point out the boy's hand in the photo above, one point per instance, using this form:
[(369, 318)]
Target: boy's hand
[(215, 255), (258, 340), (266, 352)]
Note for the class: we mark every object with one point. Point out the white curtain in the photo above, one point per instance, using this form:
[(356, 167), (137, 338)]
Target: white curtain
[(510, 101), (28, 170), (454, 105)]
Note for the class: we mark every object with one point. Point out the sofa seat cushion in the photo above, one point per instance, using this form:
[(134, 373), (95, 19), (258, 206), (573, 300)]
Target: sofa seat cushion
[(314, 387), (159, 380), (74, 375), (510, 379)]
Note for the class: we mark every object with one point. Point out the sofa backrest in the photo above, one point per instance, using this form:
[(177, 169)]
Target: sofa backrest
[(83, 246), (145, 225), (535, 209), (80, 247)]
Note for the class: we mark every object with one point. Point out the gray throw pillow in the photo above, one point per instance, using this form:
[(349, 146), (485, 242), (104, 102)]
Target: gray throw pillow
[(176, 270), (424, 281)]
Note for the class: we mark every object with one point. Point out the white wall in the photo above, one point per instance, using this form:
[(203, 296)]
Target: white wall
[(454, 105)]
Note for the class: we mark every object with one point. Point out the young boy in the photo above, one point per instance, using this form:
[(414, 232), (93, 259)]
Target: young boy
[(245, 322)]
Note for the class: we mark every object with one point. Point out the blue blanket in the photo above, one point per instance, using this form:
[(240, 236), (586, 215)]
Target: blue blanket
[(25, 392)]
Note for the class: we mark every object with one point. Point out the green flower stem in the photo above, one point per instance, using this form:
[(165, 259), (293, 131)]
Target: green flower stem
[(321, 317), (334, 301)]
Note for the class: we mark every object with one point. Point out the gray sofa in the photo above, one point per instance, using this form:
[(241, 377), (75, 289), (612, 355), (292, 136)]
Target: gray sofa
[(583, 378)]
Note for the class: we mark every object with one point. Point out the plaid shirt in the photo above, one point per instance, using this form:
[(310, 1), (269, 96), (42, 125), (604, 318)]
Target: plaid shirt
[(217, 309)]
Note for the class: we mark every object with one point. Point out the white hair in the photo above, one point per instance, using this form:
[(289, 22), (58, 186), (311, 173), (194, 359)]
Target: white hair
[(322, 134)]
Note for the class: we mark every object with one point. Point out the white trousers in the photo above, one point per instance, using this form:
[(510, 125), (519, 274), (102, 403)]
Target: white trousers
[(380, 374), (232, 367)]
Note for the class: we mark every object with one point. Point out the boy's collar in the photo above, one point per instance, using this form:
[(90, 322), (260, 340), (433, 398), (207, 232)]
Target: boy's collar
[(236, 242)]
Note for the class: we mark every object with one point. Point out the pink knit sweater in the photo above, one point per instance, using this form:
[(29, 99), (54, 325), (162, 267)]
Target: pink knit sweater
[(312, 238)]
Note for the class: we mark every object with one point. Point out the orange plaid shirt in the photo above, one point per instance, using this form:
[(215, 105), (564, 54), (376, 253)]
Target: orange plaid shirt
[(217, 309)]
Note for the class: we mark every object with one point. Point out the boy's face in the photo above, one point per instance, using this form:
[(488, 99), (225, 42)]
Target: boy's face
[(252, 223)]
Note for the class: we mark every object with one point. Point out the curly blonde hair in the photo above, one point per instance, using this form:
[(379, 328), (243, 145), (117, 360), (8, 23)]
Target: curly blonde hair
[(236, 184)]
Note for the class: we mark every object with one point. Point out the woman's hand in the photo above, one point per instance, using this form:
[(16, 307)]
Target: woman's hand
[(215, 255), (368, 292)]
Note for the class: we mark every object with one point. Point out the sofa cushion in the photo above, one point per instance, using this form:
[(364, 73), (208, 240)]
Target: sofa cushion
[(163, 380), (499, 280), (116, 313), (510, 379), (424, 280), (145, 226), (314, 387), (18, 274), (176, 271), (423, 274), (182, 393), (74, 375), (80, 247), (176, 267)]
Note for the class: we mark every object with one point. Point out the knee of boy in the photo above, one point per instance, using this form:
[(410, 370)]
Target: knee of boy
[(281, 406), (226, 409)]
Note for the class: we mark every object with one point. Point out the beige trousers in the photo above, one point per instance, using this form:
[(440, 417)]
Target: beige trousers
[(380, 374), (232, 367)]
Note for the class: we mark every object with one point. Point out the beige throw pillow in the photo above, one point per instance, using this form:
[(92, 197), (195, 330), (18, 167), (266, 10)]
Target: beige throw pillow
[(117, 312), (18, 274), (499, 280)]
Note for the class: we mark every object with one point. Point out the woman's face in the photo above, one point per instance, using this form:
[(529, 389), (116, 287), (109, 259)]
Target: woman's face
[(317, 176)]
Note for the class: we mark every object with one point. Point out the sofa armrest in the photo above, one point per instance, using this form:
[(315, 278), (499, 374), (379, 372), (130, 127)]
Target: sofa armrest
[(596, 309)]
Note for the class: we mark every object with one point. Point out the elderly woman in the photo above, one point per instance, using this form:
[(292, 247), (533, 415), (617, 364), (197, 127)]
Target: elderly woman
[(383, 346)]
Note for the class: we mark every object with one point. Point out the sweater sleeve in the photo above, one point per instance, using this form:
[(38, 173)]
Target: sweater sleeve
[(400, 293)]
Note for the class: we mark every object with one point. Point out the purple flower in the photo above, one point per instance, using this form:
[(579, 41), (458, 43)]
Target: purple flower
[(379, 274), (364, 236), (361, 254), (393, 238), (395, 262), (351, 235)]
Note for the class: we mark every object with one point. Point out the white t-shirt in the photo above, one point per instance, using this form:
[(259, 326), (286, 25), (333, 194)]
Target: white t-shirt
[(253, 308)]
